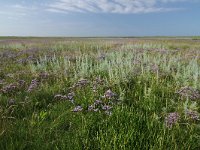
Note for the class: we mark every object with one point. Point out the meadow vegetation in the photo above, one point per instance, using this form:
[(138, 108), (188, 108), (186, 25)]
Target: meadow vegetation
[(98, 93)]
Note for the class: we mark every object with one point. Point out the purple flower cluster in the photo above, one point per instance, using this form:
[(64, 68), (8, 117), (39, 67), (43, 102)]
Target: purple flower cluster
[(81, 83), (189, 92), (107, 109), (98, 105), (25, 61), (98, 102), (13, 87), (9, 54), (109, 94), (95, 106), (104, 104), (193, 115), (69, 97), (77, 109), (34, 84), (171, 119), (10, 88), (60, 97)]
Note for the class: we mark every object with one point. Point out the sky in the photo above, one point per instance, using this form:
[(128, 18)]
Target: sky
[(89, 18)]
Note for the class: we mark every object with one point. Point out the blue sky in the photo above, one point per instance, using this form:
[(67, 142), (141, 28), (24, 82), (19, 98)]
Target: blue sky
[(99, 17)]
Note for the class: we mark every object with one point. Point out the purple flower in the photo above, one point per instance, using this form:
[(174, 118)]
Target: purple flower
[(189, 92), (9, 88), (194, 115), (91, 108), (34, 84), (106, 107), (82, 82), (109, 94), (171, 119), (97, 102), (60, 97), (77, 109), (95, 110), (70, 95)]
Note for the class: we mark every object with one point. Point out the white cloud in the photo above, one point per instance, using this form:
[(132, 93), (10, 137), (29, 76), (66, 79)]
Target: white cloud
[(20, 7), (111, 6), (17, 11)]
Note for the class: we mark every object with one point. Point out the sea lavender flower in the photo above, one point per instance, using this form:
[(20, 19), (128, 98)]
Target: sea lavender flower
[(194, 115), (83, 82), (97, 102), (171, 119), (9, 88), (60, 97), (70, 95), (77, 109), (91, 108), (106, 107), (96, 109), (189, 92), (109, 94), (33, 85)]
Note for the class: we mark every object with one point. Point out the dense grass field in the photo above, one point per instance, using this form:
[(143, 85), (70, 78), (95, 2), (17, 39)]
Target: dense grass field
[(100, 93)]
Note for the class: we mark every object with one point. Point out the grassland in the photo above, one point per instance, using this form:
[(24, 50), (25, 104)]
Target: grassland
[(99, 93)]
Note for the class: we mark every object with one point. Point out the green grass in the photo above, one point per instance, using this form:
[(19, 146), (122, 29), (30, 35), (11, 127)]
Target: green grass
[(144, 74)]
